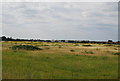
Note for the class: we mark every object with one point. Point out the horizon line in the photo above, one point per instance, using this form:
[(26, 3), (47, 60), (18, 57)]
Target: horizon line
[(56, 39)]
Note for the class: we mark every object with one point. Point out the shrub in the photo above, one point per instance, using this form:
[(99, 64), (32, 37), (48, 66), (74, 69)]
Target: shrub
[(87, 45), (115, 48), (60, 46), (72, 50), (25, 47), (118, 53)]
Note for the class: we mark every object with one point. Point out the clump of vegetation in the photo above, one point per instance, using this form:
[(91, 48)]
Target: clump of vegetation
[(76, 45), (45, 45), (88, 52), (25, 47), (72, 50), (117, 45), (118, 53), (47, 48), (87, 45), (116, 48), (60, 46), (97, 49), (109, 45), (77, 55)]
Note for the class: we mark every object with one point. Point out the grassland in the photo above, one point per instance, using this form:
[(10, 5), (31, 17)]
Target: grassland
[(60, 61)]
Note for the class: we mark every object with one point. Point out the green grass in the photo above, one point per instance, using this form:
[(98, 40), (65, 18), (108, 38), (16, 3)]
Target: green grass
[(55, 64)]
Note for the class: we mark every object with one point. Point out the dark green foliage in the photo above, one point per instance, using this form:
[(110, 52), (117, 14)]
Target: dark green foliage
[(25, 47), (118, 53), (72, 50), (87, 45), (45, 45)]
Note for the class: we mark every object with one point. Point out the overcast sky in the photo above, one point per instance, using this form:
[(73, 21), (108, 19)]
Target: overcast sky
[(70, 20)]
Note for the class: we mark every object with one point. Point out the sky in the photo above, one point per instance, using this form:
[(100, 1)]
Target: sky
[(60, 20)]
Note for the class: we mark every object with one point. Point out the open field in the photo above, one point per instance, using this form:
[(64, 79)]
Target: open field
[(60, 61)]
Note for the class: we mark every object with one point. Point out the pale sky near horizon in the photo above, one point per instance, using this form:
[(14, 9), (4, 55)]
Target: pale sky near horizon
[(61, 20)]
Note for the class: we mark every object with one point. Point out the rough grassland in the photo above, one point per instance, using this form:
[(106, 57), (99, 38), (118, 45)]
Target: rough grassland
[(56, 61)]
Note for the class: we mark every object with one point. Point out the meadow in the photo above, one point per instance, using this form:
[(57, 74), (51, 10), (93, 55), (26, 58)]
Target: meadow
[(60, 61)]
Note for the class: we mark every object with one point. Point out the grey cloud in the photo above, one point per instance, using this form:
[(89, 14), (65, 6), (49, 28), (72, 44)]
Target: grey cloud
[(93, 21)]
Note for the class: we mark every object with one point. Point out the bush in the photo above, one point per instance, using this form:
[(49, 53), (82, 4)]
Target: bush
[(115, 48), (72, 50), (60, 46), (118, 53), (25, 47), (87, 45)]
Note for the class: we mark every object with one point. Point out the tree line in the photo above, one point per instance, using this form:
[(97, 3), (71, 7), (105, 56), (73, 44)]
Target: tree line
[(4, 38)]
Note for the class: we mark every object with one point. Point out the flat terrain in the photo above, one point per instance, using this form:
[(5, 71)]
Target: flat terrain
[(60, 61)]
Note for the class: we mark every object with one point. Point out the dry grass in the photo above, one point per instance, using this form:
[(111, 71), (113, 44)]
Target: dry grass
[(97, 49)]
